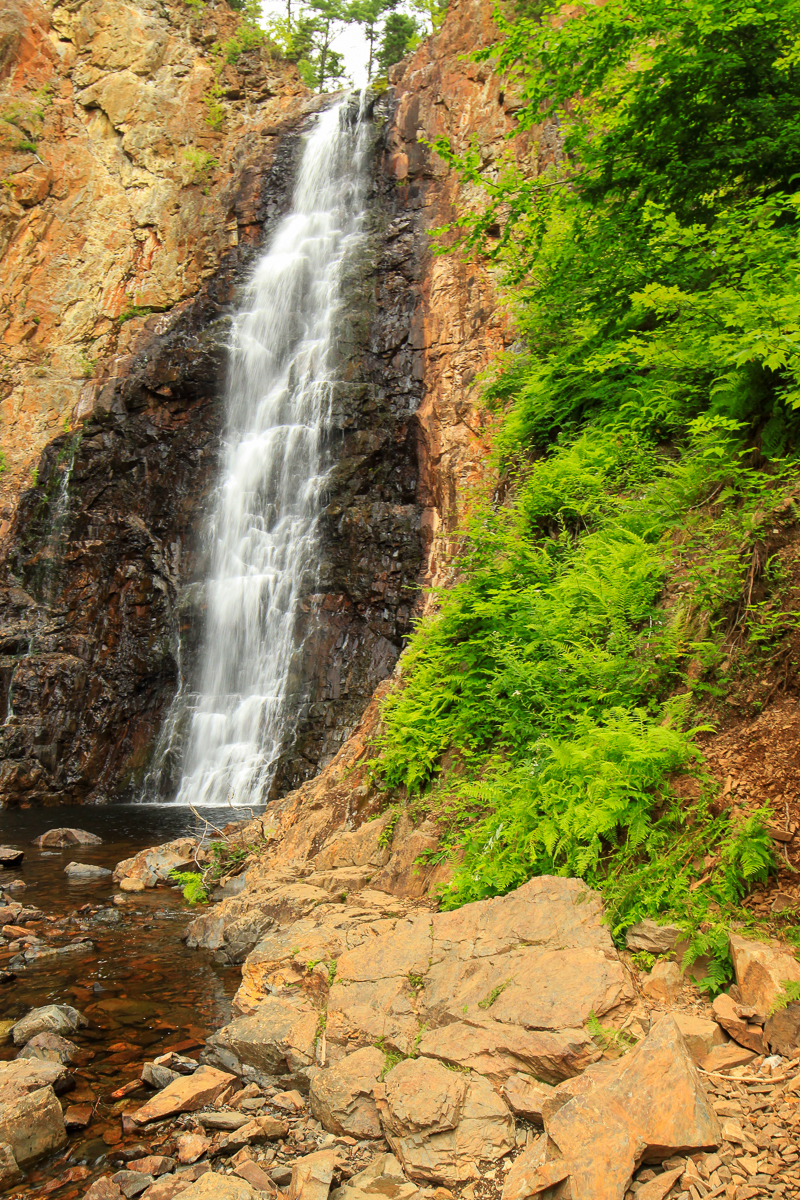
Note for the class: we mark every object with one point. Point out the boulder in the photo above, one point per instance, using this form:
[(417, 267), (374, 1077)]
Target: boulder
[(497, 1050), (150, 867), (654, 938), (761, 970), (55, 838), (645, 1107), (525, 1096), (76, 870), (341, 1098), (725, 1058), (52, 1018), (10, 857), (9, 1170), (32, 1125), (25, 1075), (664, 983), (185, 1094), (312, 1175), (152, 1164), (383, 1178), (442, 1123), (50, 1047), (211, 1186), (700, 1034), (191, 1146), (729, 1015), (277, 1038), (782, 1030)]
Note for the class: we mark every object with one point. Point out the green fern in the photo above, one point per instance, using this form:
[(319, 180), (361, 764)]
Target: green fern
[(191, 883)]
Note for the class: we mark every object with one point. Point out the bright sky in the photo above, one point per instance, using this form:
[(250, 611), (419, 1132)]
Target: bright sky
[(351, 44)]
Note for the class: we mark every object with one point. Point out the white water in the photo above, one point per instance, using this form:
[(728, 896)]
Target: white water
[(264, 527)]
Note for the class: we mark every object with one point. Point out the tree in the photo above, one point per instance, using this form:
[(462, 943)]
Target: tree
[(326, 65), (398, 33), (369, 13)]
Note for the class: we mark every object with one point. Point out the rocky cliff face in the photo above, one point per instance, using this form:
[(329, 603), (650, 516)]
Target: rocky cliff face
[(141, 205)]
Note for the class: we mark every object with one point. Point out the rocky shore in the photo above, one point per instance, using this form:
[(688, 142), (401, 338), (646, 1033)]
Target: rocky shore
[(382, 1048)]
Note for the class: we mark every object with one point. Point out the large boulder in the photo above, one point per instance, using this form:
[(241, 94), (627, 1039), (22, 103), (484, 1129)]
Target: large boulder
[(32, 1125), (187, 1093), (277, 1039), (761, 969), (151, 867), (9, 1169), (56, 838), (342, 1097), (52, 1018), (782, 1030), (24, 1075), (50, 1047), (648, 1106), (10, 856), (497, 1050), (76, 870), (441, 1124)]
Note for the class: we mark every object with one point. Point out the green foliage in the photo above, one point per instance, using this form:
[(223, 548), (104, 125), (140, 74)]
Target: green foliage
[(489, 1000), (197, 166), (646, 429), (87, 366), (789, 994), (216, 112), (606, 1037), (26, 146), (192, 885), (399, 33)]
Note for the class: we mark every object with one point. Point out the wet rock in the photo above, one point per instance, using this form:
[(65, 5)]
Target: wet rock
[(150, 867), (52, 1018), (9, 913), (9, 857), (66, 837), (654, 938), (76, 870), (78, 1116), (179, 1063), (761, 970), (441, 1123), (158, 1076), (382, 1178), (525, 1096), (312, 1175), (729, 1015), (32, 1125), (21, 1076), (9, 1170), (341, 1098), (186, 1094), (50, 1047), (152, 1164)]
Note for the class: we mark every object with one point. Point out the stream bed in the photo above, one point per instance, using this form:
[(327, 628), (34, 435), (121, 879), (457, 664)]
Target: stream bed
[(141, 990)]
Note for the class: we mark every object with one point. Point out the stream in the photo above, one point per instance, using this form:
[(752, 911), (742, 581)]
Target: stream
[(142, 991)]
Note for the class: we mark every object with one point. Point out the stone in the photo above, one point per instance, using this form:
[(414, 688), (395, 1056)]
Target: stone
[(782, 1030), (442, 1123), (9, 1170), (103, 1189), (25, 1075), (186, 1094), (725, 1058), (531, 1175), (664, 983), (341, 1098), (167, 1187), (150, 867), (78, 1116), (76, 870), (223, 1120), (654, 938), (281, 1175), (179, 1063), (761, 970), (190, 1146), (382, 1178), (525, 1096), (52, 1018), (56, 838), (700, 1034), (131, 1183), (312, 1175), (497, 1050), (728, 1014), (211, 1186), (158, 1076), (10, 857), (657, 1189), (277, 1038), (50, 1047), (32, 1125), (290, 1101), (152, 1164), (255, 1175)]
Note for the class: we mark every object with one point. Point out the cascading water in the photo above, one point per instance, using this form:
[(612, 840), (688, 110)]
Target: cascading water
[(264, 527)]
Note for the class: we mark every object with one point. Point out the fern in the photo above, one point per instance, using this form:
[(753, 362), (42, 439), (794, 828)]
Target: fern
[(191, 883)]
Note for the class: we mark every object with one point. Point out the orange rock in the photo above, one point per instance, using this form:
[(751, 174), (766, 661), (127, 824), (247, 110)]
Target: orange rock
[(186, 1094)]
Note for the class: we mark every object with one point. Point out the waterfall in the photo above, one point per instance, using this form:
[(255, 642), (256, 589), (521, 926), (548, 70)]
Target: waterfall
[(264, 524)]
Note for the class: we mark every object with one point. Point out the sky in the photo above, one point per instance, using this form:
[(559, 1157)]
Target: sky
[(351, 44)]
